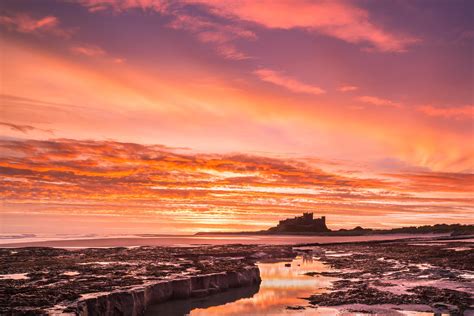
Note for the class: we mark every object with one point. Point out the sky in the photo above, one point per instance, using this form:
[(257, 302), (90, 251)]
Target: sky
[(155, 116)]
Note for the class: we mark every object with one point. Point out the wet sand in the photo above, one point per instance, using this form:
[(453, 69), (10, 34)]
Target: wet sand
[(178, 241)]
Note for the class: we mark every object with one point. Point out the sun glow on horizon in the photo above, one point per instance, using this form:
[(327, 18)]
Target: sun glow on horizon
[(202, 115)]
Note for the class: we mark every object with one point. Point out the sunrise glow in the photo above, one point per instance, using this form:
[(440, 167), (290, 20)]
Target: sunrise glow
[(156, 116)]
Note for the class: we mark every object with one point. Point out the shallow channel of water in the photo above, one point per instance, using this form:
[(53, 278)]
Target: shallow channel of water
[(281, 286)]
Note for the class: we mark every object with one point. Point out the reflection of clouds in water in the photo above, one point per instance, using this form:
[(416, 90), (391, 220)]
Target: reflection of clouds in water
[(308, 258), (281, 287)]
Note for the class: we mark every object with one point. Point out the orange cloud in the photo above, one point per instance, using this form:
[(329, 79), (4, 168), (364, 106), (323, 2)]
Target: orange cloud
[(378, 101), (94, 175), (119, 60), (437, 181), (460, 112), (25, 23), (287, 82), (347, 88), (94, 51), (88, 50)]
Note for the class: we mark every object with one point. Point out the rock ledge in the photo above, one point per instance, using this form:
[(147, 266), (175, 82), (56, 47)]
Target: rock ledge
[(134, 301)]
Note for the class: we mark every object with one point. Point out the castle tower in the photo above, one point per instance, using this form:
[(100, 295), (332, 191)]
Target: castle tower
[(308, 217)]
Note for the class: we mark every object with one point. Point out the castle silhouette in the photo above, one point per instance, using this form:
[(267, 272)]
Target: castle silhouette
[(305, 223)]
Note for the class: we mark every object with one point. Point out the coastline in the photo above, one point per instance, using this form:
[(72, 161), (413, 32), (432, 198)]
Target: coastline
[(221, 239)]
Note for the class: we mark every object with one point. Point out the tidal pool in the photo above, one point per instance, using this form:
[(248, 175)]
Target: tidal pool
[(14, 276), (283, 289), (281, 286)]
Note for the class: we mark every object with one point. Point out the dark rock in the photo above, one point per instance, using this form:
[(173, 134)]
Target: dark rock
[(124, 280), (295, 308)]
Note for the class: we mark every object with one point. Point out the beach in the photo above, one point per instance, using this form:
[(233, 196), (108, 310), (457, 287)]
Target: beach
[(73, 241), (398, 276)]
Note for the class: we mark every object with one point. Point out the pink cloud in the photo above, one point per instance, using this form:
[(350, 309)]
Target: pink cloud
[(119, 60), (25, 23), (94, 51), (202, 25), (378, 101), (289, 83), (88, 50), (461, 112), (332, 18), (348, 88), (337, 19), (218, 34), (230, 52), (121, 5)]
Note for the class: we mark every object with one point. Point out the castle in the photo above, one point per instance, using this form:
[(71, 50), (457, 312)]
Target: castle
[(305, 223)]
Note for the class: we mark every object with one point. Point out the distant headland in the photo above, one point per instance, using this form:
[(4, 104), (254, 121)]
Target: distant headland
[(308, 225)]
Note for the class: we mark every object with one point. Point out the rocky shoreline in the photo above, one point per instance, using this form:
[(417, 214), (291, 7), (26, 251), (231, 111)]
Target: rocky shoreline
[(122, 281), (370, 277), (437, 275), (136, 300)]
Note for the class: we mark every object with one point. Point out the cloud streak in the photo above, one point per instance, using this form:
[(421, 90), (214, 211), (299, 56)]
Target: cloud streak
[(26, 23), (24, 128), (88, 50), (347, 88), (218, 34), (69, 171), (378, 101), (122, 5), (289, 83), (461, 112), (337, 19)]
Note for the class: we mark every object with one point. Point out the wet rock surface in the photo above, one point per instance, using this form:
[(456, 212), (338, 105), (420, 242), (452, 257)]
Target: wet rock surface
[(440, 276), (370, 277), (122, 280)]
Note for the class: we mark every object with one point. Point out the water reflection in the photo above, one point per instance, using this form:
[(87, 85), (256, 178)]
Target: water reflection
[(184, 307), (284, 284), (281, 286)]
